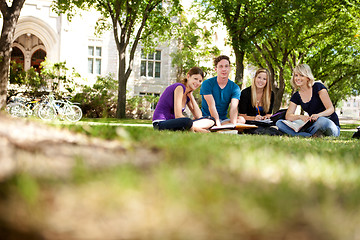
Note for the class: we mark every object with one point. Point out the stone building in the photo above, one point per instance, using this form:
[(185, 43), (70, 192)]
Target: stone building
[(41, 33), (349, 108)]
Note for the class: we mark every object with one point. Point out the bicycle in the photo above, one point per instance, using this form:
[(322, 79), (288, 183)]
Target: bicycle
[(21, 107), (64, 109)]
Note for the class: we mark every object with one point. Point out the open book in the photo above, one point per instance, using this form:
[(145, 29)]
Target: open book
[(230, 126), (297, 125)]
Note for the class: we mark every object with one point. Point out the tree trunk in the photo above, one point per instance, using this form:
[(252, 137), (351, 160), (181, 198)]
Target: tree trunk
[(10, 17), (239, 61), (4, 76), (279, 92), (122, 78)]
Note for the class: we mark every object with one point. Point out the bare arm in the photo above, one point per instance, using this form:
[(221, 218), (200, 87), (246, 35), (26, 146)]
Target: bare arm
[(329, 108), (255, 118), (251, 118), (233, 110), (178, 96), (290, 113), (193, 106), (212, 108)]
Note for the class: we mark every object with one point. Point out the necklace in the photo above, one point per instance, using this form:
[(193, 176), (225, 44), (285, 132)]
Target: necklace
[(258, 100)]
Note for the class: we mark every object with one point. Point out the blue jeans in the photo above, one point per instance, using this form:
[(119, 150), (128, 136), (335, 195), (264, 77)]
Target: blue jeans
[(177, 124), (323, 124)]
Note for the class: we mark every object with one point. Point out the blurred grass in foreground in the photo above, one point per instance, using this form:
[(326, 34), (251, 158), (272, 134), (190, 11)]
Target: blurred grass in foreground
[(209, 186)]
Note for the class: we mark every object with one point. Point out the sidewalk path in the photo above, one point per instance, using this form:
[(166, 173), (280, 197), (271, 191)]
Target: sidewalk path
[(346, 120), (349, 121), (109, 124)]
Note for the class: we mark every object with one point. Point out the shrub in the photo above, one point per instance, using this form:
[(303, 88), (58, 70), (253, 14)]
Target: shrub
[(99, 100), (56, 78), (17, 73), (60, 79), (141, 107)]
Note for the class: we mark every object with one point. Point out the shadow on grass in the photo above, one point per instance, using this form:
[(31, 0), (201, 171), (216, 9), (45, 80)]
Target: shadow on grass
[(206, 186)]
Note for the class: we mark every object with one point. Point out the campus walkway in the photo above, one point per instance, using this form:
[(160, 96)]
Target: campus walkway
[(109, 124), (345, 120)]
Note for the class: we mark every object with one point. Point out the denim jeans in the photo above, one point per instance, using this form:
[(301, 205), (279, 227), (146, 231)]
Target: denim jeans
[(323, 124), (177, 124)]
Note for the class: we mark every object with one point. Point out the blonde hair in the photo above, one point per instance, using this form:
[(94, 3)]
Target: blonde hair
[(266, 98), (303, 70)]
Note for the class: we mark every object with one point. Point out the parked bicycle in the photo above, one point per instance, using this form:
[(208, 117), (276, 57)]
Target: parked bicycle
[(64, 109), (22, 107)]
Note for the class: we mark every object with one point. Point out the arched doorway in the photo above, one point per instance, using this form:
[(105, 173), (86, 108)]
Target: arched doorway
[(18, 56), (37, 58), (47, 36), (32, 50)]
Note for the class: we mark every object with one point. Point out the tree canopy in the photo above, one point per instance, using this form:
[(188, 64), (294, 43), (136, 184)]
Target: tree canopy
[(195, 46), (245, 20), (274, 34), (318, 33), (132, 21), (277, 35)]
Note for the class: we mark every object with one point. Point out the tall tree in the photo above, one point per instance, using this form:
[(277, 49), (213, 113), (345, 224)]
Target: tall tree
[(244, 20), (309, 30), (10, 11), (336, 63), (132, 21), (194, 45)]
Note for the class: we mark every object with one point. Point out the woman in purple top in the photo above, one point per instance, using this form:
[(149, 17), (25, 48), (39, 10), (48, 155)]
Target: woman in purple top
[(314, 99), (168, 113)]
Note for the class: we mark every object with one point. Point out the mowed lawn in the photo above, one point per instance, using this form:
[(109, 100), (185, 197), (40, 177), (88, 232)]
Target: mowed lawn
[(211, 186)]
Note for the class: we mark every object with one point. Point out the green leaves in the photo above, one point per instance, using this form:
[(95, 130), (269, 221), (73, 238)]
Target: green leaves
[(133, 21), (319, 33), (194, 46)]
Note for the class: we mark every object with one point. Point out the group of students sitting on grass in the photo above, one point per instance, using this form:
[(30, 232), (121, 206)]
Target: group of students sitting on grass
[(221, 98)]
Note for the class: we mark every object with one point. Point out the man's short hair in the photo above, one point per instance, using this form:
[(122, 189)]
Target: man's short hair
[(219, 58)]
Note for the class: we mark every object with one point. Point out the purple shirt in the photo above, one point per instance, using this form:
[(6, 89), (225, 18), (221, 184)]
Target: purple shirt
[(165, 107)]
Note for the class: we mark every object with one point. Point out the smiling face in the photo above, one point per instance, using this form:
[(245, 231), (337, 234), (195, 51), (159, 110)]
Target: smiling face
[(302, 76), (261, 80), (194, 81), (300, 80), (223, 69)]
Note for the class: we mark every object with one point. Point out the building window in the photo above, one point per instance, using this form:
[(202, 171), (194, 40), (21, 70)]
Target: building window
[(94, 59), (150, 64)]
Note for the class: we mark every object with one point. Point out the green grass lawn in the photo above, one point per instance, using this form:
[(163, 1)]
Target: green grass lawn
[(220, 186)]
